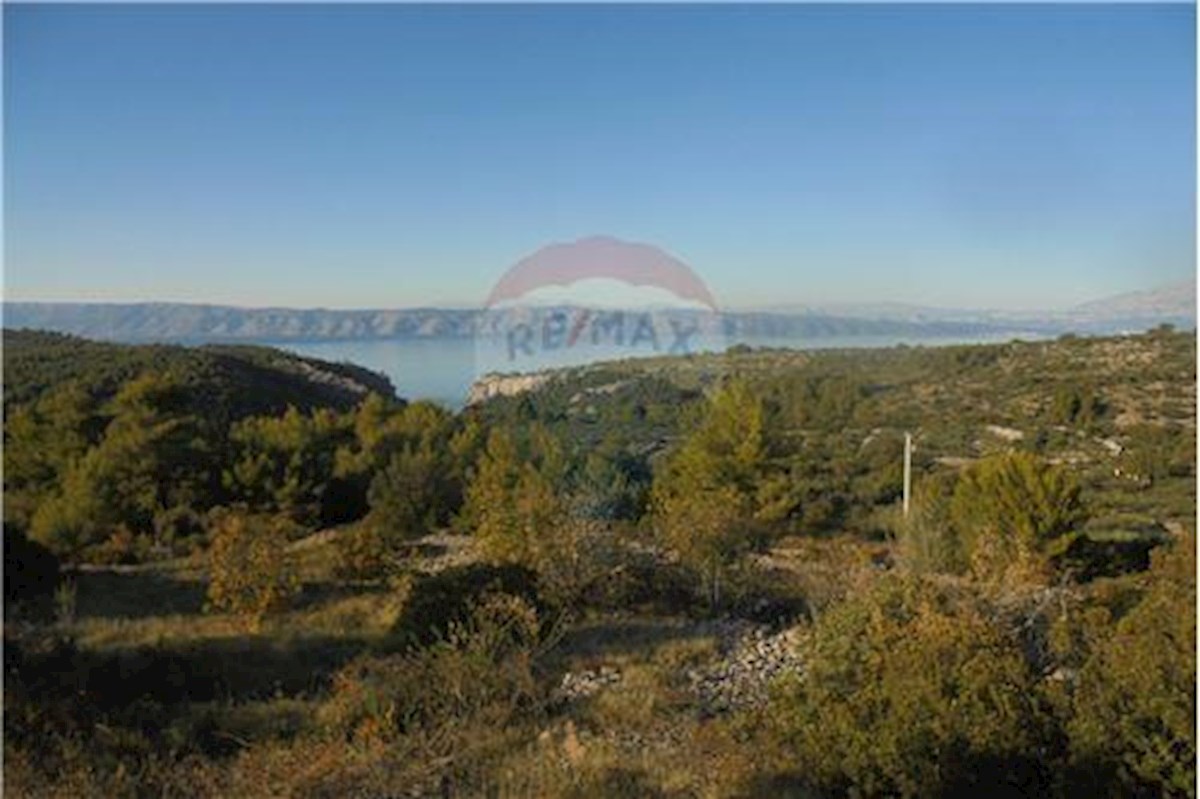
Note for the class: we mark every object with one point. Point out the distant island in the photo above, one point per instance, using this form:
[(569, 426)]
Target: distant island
[(186, 322)]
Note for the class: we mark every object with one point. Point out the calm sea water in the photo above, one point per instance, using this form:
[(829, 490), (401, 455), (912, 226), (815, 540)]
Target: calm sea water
[(443, 370)]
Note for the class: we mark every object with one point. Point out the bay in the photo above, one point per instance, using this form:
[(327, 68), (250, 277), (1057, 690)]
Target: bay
[(443, 369)]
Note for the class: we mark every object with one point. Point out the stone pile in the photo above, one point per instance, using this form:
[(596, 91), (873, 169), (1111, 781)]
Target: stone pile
[(753, 658), (582, 684)]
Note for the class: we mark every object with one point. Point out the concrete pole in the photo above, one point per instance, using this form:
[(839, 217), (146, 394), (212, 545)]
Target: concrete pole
[(907, 470)]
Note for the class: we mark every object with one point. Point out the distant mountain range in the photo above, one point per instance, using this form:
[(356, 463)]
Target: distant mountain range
[(181, 322), (1177, 300), (1173, 304)]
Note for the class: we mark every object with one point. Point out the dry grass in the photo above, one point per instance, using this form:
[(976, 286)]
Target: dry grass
[(826, 570), (148, 609)]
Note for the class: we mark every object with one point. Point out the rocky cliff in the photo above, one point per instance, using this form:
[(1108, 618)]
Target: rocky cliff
[(493, 385)]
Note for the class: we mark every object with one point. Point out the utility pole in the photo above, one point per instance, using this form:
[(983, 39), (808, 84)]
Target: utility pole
[(907, 471)]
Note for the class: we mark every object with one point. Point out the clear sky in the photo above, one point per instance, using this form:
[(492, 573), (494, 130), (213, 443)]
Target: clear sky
[(1011, 156)]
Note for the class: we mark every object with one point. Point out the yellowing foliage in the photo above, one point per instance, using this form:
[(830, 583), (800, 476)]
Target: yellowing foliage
[(249, 574)]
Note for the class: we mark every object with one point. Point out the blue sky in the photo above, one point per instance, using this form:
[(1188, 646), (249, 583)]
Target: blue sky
[(1013, 156)]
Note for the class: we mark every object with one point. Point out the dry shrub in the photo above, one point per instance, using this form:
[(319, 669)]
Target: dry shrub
[(308, 767), (64, 737), (447, 705), (699, 759), (362, 553), (435, 603), (434, 720), (581, 564), (249, 573), (827, 570), (562, 766), (999, 566)]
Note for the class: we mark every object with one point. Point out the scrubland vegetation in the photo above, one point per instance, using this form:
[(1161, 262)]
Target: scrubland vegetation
[(666, 577)]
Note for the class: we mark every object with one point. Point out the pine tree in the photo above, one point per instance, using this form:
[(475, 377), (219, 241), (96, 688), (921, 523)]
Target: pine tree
[(285, 464), (1015, 510), (515, 505), (41, 441), (725, 487), (152, 458)]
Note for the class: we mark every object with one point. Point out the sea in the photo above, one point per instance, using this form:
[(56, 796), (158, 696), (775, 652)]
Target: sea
[(442, 370)]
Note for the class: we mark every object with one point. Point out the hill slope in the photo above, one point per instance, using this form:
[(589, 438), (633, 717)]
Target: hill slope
[(234, 380)]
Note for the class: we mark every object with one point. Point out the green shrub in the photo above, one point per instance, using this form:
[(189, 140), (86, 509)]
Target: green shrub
[(411, 495), (437, 602), (1077, 405), (911, 691), (1015, 512), (522, 509), (152, 457), (515, 503), (926, 540), (1135, 704), (286, 464)]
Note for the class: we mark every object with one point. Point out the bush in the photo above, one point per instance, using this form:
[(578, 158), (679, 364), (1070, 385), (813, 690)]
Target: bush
[(151, 457), (1135, 704), (1014, 512), (927, 543), (440, 601), (911, 691), (72, 728), (249, 573), (523, 512), (449, 704), (362, 553), (177, 530), (1077, 405), (580, 564), (286, 464), (74, 519), (411, 495)]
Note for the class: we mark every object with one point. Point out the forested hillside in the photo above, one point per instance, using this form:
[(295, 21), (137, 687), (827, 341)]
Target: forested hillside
[(234, 381), (681, 576), (118, 449), (1119, 413)]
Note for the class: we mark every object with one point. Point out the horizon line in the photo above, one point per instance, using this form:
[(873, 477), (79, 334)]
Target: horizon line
[(778, 307)]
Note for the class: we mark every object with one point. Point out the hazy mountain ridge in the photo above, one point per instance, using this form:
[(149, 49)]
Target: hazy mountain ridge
[(1176, 301), (1174, 304), (183, 321)]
